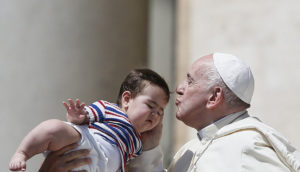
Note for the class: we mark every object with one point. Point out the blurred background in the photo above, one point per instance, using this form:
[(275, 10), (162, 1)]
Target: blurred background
[(54, 50)]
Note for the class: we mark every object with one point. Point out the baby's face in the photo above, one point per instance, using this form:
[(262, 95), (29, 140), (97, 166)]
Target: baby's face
[(147, 108)]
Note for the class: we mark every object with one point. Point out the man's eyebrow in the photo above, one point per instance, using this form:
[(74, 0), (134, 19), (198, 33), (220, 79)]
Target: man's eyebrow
[(188, 75)]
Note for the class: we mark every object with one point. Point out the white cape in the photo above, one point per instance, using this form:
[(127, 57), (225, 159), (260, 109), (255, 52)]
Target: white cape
[(285, 151)]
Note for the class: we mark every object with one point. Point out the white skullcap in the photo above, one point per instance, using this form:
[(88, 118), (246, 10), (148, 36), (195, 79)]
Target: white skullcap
[(236, 75)]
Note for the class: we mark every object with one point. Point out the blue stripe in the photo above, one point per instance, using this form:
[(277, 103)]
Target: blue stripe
[(129, 128), (122, 121), (126, 136), (106, 132), (126, 123), (114, 137), (118, 133), (116, 111), (100, 114)]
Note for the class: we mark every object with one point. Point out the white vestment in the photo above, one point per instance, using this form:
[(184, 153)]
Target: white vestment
[(235, 143)]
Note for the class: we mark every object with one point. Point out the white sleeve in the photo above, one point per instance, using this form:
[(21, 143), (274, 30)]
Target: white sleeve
[(149, 161)]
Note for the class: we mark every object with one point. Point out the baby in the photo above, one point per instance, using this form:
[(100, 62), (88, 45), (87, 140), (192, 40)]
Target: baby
[(112, 132)]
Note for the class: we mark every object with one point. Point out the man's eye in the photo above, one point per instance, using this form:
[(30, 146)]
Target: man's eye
[(188, 82)]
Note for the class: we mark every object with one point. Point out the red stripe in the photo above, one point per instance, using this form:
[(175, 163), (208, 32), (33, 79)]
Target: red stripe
[(120, 139), (130, 154), (116, 141), (112, 125), (113, 105), (101, 103), (114, 114), (132, 148), (94, 113), (122, 151)]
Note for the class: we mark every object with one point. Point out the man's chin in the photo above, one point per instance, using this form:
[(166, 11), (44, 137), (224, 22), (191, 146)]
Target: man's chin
[(178, 116)]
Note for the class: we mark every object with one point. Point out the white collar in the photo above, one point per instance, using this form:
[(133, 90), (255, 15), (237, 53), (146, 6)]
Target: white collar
[(209, 131)]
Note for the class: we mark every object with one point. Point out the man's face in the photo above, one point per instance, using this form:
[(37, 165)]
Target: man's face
[(193, 95)]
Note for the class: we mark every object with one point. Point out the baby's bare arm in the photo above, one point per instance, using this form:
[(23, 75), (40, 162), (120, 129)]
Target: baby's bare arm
[(151, 138)]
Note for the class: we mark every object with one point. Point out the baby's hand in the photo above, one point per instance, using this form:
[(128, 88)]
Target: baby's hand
[(75, 112)]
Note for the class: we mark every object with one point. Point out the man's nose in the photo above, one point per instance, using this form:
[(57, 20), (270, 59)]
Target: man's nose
[(180, 89)]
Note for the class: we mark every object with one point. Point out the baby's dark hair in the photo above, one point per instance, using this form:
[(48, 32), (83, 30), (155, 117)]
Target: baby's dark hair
[(135, 83)]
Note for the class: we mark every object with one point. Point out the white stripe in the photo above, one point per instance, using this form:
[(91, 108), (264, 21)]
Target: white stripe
[(90, 114), (99, 105)]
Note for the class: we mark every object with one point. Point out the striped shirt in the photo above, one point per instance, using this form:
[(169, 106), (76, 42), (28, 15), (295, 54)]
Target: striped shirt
[(114, 126)]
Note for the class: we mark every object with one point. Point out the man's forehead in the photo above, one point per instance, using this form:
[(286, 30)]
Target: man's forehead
[(204, 60), (196, 72), (200, 65)]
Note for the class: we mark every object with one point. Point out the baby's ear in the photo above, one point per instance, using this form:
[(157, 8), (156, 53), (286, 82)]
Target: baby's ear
[(126, 96)]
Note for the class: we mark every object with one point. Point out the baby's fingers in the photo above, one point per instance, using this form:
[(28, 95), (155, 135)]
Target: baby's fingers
[(66, 105), (77, 103), (72, 105), (82, 106)]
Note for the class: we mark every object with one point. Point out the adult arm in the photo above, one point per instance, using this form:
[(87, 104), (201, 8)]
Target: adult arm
[(151, 159), (59, 161)]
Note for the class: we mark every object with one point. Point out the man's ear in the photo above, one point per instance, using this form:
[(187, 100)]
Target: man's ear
[(126, 96), (215, 98)]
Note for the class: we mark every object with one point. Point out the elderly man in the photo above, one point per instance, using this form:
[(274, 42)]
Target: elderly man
[(213, 99)]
